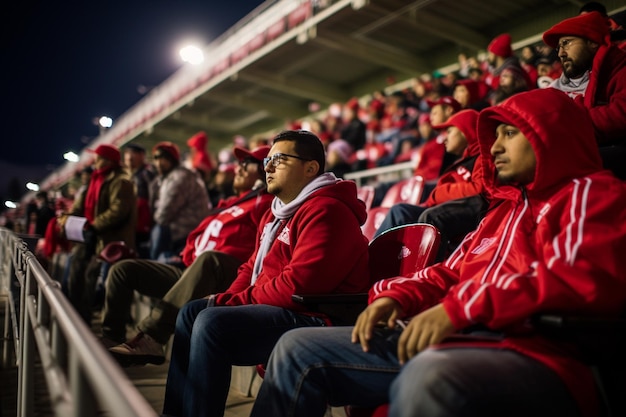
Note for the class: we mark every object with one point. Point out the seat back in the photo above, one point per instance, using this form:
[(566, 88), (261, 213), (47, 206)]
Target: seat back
[(408, 190), (402, 250), (375, 217), (366, 193)]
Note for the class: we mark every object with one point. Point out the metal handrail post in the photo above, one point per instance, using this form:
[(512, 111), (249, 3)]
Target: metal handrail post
[(26, 394)]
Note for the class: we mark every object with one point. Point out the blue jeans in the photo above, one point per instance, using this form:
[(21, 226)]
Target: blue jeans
[(209, 340), (312, 368)]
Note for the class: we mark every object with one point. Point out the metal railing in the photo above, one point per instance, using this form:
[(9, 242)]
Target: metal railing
[(82, 379)]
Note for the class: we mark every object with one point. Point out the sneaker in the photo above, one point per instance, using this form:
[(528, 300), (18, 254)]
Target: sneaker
[(108, 343), (141, 350)]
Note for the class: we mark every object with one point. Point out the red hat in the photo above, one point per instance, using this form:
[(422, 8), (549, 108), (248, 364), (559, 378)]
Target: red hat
[(257, 154), (110, 152), (198, 141), (200, 160), (466, 121), (168, 147), (501, 45), (353, 104), (446, 101), (423, 118), (592, 26), (117, 251)]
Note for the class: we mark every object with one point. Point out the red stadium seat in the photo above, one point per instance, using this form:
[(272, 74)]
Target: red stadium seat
[(404, 191), (366, 193), (375, 217), (402, 250)]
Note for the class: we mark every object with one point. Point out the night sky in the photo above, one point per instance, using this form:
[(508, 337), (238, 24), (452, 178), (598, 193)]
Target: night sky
[(65, 63)]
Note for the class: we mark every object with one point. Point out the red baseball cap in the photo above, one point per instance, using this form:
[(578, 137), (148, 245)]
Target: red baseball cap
[(168, 147), (446, 101), (257, 154)]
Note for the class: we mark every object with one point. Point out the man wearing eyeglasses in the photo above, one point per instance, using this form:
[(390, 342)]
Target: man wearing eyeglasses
[(309, 242), (594, 73)]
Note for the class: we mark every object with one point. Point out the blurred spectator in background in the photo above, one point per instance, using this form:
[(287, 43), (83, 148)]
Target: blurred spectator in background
[(512, 81), (199, 158), (499, 57), (109, 206), (178, 201), (471, 94), (141, 175)]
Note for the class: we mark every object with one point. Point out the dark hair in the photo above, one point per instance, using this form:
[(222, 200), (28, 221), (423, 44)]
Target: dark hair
[(307, 145), (593, 6)]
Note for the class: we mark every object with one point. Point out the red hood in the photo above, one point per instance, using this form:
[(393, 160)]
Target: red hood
[(552, 122), (345, 191)]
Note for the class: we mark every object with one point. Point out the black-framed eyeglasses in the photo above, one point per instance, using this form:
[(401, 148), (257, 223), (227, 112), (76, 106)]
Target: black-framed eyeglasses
[(277, 157)]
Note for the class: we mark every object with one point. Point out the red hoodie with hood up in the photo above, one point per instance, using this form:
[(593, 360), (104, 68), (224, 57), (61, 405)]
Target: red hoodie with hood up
[(556, 244)]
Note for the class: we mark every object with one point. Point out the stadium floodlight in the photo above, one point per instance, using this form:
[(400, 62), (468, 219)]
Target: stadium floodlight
[(71, 156), (32, 186), (10, 204), (105, 122), (192, 54)]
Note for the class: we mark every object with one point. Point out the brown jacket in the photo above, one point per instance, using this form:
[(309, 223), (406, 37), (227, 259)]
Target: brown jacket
[(116, 213)]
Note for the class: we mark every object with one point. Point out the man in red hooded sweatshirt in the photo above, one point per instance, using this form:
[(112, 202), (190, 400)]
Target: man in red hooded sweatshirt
[(457, 340), (594, 72), (309, 242)]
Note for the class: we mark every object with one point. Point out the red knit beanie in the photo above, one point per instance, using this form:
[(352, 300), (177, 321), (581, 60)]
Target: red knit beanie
[(501, 45), (592, 26)]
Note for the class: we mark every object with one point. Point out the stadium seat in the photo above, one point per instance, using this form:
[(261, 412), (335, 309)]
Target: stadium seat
[(408, 190), (366, 193), (375, 217), (399, 251)]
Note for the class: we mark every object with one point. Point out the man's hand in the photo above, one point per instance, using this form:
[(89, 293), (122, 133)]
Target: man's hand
[(425, 329), (384, 309)]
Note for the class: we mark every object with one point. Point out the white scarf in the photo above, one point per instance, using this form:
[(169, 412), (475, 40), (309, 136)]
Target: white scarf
[(282, 211)]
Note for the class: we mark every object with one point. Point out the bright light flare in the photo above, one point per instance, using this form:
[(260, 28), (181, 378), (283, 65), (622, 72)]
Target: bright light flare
[(192, 54), (32, 186), (105, 122), (10, 204), (71, 156)]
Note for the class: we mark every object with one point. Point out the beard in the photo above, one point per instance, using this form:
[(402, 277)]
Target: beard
[(575, 68)]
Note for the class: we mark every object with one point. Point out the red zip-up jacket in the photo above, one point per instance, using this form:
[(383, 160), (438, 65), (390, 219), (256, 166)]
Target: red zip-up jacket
[(232, 230), (554, 245), (321, 249), (464, 177)]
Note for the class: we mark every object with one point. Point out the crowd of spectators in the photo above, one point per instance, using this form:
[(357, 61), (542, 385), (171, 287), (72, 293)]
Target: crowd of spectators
[(450, 126)]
